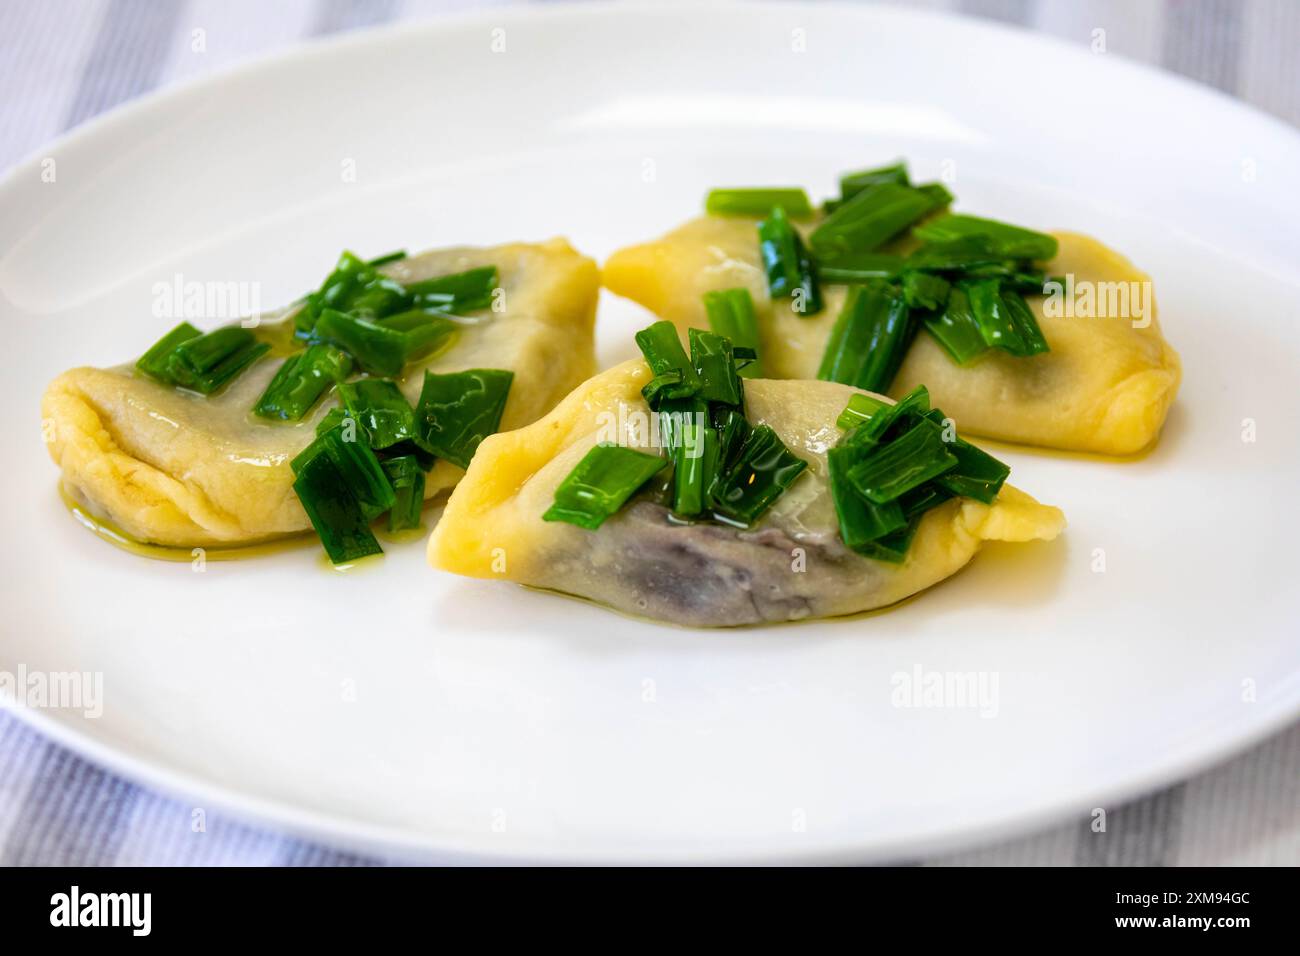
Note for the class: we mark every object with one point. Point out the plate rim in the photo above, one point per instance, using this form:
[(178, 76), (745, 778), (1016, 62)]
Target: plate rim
[(344, 831)]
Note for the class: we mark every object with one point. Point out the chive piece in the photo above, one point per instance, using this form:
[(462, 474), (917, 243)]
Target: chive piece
[(732, 429), (859, 267), (1010, 242), (764, 470), (381, 409), (458, 410), (889, 421), (853, 183), (955, 255), (664, 354), (731, 315), (458, 292), (789, 267), (978, 474), (715, 364), (925, 291), (1026, 325), (600, 484), (395, 256), (859, 409), (1004, 319), (207, 362), (381, 349), (154, 362), (889, 470), (353, 286), (956, 328), (930, 495), (938, 193), (407, 478), (334, 510), (861, 522), (301, 381), (356, 464), (869, 339), (331, 419), (892, 547), (869, 220), (682, 425), (757, 202)]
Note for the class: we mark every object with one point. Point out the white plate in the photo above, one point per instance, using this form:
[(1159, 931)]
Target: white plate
[(491, 722)]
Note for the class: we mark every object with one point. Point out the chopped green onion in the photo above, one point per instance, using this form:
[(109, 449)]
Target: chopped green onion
[(859, 409), (356, 464), (853, 183), (154, 362), (379, 349), (675, 376), (334, 510), (893, 547), (206, 362), (731, 315), (925, 291), (861, 522), (1022, 318), (869, 220), (381, 409), (955, 255), (869, 339), (977, 475), (458, 410), (757, 202), (715, 364), (387, 258), (1010, 242), (789, 268), (458, 292), (956, 328), (600, 484), (764, 470), (859, 267), (407, 478), (938, 194), (889, 420), (683, 424), (1004, 321), (887, 471), (301, 381)]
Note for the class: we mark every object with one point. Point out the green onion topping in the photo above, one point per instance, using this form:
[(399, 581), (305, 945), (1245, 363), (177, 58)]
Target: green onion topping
[(789, 268), (301, 381), (896, 462), (732, 316), (457, 411), (407, 478), (202, 363), (600, 484), (757, 202)]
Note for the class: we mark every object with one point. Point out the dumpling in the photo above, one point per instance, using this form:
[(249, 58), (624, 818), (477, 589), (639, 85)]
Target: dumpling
[(791, 564), (177, 468), (1105, 385)]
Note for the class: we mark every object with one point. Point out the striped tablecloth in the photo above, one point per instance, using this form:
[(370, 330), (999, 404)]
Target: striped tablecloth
[(64, 61)]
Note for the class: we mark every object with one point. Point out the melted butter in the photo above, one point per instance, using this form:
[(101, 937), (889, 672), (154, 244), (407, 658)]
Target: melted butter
[(106, 530)]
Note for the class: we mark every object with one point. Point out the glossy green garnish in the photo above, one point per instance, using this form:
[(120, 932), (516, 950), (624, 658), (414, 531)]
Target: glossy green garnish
[(382, 349), (869, 339), (407, 478), (731, 315), (869, 219), (301, 381), (764, 468), (1009, 242), (379, 406), (896, 462), (202, 363), (757, 202), (601, 484), (457, 411), (790, 270)]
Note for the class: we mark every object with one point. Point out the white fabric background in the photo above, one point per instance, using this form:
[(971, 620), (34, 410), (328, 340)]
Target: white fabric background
[(64, 61)]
